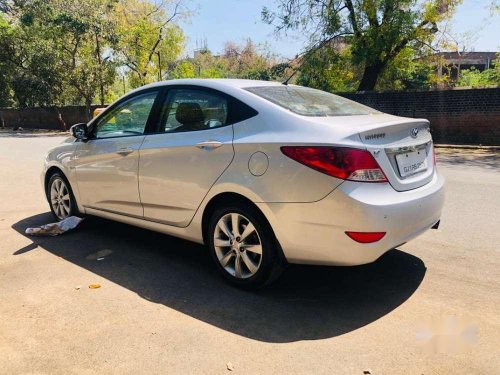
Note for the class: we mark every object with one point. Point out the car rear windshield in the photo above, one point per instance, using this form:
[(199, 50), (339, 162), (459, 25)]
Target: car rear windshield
[(310, 102)]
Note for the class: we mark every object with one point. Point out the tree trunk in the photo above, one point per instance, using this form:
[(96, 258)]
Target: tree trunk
[(62, 123), (370, 76), (99, 60), (102, 94), (88, 109)]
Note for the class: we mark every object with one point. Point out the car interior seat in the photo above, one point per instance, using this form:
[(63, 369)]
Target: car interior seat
[(191, 116)]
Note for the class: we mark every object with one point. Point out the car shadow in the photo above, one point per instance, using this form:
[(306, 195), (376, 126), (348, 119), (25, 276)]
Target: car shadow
[(306, 303)]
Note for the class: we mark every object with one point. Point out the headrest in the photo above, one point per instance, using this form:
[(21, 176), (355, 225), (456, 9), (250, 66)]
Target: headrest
[(189, 113)]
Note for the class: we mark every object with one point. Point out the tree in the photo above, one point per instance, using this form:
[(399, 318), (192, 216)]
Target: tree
[(36, 77), (407, 72), (377, 31), (83, 30), (329, 69), (184, 69), (245, 60), (6, 67), (148, 38), (475, 78), (236, 61), (57, 51)]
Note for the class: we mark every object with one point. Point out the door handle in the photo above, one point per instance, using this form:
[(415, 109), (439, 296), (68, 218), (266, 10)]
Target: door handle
[(124, 151), (209, 145)]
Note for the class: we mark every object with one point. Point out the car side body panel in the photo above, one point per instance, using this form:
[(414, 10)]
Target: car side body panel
[(175, 174), (106, 171)]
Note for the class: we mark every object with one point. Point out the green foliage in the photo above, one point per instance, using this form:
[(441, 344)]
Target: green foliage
[(185, 69), (35, 74), (55, 52), (148, 40), (5, 66), (329, 70), (58, 52), (236, 61), (332, 69), (405, 72), (475, 78), (83, 31)]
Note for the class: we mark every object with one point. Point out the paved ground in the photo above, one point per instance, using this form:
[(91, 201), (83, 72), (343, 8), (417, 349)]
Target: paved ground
[(162, 308)]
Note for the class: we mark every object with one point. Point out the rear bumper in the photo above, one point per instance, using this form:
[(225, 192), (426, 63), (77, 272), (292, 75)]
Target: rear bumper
[(314, 233)]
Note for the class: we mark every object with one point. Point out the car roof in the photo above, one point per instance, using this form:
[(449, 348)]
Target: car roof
[(213, 82)]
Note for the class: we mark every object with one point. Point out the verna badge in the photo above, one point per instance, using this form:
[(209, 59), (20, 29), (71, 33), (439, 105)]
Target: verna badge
[(414, 132)]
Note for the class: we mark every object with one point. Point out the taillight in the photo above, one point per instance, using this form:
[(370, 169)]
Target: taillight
[(366, 237), (340, 162)]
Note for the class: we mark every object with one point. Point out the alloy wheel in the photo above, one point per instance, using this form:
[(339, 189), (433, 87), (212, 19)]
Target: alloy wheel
[(237, 245), (60, 199)]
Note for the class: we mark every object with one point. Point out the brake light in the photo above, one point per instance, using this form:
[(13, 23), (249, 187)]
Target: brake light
[(340, 162), (366, 237)]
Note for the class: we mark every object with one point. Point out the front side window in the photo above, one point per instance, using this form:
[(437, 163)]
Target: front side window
[(310, 102), (193, 109), (128, 118)]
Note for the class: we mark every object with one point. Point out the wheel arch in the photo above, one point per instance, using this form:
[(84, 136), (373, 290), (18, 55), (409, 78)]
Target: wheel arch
[(226, 198), (50, 172)]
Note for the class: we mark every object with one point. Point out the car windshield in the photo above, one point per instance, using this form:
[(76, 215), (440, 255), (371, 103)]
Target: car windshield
[(310, 102)]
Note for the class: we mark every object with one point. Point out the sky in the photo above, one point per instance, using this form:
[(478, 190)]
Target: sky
[(219, 21)]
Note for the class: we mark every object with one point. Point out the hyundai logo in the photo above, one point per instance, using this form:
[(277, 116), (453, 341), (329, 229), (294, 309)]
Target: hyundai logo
[(414, 132)]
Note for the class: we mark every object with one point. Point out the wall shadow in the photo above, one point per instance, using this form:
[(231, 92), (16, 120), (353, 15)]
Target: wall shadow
[(33, 134), (306, 303), (487, 159)]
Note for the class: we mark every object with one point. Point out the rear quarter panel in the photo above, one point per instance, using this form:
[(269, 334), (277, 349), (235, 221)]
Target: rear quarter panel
[(285, 180)]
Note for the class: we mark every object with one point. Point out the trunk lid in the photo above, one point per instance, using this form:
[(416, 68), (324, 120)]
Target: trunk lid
[(404, 150), (402, 146)]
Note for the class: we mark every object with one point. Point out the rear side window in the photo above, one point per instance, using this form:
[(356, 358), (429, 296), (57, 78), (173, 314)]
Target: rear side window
[(192, 109), (310, 102)]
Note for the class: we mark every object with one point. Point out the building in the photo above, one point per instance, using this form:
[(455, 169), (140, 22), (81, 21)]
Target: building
[(451, 63)]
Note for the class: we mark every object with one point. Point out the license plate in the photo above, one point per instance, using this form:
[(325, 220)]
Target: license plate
[(412, 162)]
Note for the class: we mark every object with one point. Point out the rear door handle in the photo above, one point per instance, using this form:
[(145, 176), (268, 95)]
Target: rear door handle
[(125, 151), (209, 145)]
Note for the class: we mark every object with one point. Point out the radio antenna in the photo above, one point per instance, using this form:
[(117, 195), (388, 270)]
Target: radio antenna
[(289, 78)]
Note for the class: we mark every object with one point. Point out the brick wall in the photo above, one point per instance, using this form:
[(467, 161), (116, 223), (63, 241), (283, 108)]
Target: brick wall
[(456, 116), (42, 118)]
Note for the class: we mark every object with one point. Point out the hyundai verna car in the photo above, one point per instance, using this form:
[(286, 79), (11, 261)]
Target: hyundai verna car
[(262, 173)]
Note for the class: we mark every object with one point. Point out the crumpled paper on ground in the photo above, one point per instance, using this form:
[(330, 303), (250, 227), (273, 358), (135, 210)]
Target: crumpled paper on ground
[(55, 229)]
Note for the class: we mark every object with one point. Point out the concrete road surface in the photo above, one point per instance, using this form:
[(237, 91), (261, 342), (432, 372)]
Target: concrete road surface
[(429, 307)]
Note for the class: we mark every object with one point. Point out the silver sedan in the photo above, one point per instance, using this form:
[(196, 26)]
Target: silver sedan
[(262, 173)]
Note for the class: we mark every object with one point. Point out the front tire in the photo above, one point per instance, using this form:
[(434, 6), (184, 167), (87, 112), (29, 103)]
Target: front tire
[(243, 246), (62, 202)]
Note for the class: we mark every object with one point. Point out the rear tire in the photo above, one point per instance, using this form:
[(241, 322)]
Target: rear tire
[(61, 199), (243, 246)]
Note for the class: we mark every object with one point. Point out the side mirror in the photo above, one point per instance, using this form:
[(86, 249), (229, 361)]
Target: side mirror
[(80, 131)]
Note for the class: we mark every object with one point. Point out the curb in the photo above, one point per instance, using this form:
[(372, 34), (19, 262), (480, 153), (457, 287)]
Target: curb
[(468, 147)]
